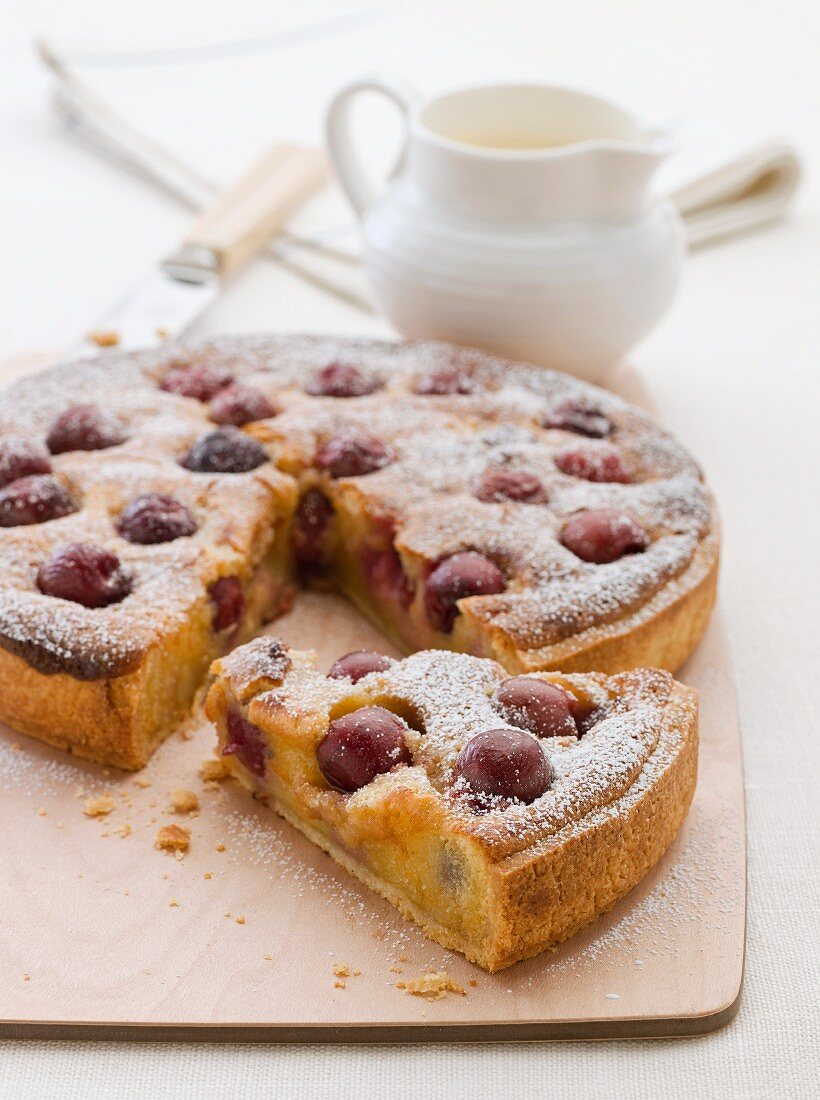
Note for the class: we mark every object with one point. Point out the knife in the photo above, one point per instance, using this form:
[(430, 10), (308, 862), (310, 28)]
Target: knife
[(237, 224)]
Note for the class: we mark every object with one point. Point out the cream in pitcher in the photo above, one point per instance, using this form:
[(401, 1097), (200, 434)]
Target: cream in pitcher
[(520, 218)]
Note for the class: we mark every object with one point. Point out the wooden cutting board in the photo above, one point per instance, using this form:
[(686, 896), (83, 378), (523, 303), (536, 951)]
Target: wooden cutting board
[(256, 935)]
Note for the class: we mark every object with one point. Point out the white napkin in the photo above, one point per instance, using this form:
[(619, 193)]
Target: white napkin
[(724, 183)]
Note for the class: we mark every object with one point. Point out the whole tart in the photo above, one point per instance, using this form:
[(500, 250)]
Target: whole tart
[(502, 814), (157, 507)]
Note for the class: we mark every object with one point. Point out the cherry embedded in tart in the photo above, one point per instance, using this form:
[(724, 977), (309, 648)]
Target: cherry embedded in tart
[(239, 404), (583, 419), (593, 462), (535, 705), (497, 486), (202, 381), (359, 663), (225, 451), (34, 499), (155, 518), (353, 455), (229, 603), (444, 384), (506, 764), (314, 513), (84, 428), (85, 574), (21, 457), (603, 535), (342, 380), (246, 742), (466, 573), (361, 745)]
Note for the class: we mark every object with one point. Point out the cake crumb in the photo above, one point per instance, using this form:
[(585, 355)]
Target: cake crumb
[(213, 770), (104, 338), (268, 958), (433, 985), (240, 920), (472, 982), (184, 801), (208, 874), (173, 838), (99, 805), (42, 811), (27, 977), (219, 848), (174, 903), (124, 830), (142, 781), (340, 985), (160, 332)]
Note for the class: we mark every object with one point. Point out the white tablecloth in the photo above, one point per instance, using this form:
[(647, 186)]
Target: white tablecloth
[(734, 371)]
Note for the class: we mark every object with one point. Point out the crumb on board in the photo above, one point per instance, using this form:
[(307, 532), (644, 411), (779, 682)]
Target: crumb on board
[(219, 848), (240, 920), (142, 781), (27, 977), (104, 338), (42, 811), (433, 985), (173, 838), (208, 874), (174, 903), (184, 801), (268, 958), (160, 332), (339, 985), (124, 830), (342, 970), (98, 805), (213, 770)]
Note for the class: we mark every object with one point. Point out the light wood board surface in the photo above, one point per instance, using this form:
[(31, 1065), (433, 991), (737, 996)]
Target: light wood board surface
[(103, 935)]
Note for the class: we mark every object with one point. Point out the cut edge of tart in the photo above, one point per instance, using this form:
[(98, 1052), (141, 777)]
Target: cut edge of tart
[(404, 776)]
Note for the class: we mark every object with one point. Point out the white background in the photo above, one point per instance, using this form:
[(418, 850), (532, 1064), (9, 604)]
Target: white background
[(734, 370)]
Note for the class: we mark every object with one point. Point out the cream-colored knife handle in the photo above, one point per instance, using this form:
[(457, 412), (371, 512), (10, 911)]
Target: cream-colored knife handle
[(245, 217)]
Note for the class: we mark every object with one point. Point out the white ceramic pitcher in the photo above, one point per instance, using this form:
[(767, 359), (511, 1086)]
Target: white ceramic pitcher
[(519, 218)]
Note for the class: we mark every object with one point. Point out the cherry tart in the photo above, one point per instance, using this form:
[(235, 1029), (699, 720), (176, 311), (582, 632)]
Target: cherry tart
[(156, 507), (501, 813)]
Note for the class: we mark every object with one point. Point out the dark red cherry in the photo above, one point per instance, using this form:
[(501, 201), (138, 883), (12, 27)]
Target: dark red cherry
[(385, 574), (239, 404), (21, 457), (503, 764), (357, 664), (85, 574), (464, 574), (593, 462), (84, 428), (33, 500), (353, 455), (361, 745), (225, 451), (579, 417), (201, 381), (246, 742), (342, 380), (313, 515), (535, 705), (444, 384), (603, 535), (155, 518), (229, 603), (496, 486)]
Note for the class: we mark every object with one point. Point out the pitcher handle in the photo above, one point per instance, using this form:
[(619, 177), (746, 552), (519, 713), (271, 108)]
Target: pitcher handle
[(355, 182)]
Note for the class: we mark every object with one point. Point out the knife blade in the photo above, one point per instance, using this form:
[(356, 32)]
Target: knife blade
[(237, 224)]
